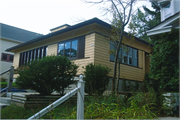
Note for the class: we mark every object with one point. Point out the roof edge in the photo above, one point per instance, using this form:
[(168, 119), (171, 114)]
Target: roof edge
[(85, 23)]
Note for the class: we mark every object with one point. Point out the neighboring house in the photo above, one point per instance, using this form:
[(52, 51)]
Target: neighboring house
[(170, 14), (85, 43), (11, 36)]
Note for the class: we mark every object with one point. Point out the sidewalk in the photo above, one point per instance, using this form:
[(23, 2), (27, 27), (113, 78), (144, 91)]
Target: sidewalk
[(168, 118)]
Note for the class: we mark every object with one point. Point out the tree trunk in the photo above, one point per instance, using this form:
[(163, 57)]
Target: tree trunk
[(117, 81)]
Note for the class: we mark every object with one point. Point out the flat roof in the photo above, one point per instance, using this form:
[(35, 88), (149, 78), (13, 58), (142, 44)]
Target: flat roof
[(76, 26)]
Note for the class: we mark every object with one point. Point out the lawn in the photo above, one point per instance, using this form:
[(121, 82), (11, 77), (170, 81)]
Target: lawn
[(4, 84)]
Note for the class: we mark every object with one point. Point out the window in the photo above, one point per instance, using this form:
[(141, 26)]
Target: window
[(68, 49), (31, 55), (167, 10), (7, 57), (73, 49), (128, 55)]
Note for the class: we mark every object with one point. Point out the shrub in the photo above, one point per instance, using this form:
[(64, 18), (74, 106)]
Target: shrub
[(52, 73), (96, 77)]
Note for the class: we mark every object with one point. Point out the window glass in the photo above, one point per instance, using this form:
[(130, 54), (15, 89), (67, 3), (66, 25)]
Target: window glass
[(4, 57), (130, 60), (129, 55), (34, 54), (61, 49), (112, 48), (31, 55), (27, 53), (74, 48), (125, 60), (167, 10), (135, 57), (67, 49), (38, 53), (24, 58), (130, 51), (11, 57)]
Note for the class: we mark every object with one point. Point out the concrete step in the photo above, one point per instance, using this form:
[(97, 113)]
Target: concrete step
[(6, 100), (2, 105)]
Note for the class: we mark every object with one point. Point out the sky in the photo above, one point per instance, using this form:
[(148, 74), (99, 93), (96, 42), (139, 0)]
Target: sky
[(42, 15)]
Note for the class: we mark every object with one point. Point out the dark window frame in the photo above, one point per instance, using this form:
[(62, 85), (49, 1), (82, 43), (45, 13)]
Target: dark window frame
[(8, 57), (80, 47), (31, 55), (127, 56)]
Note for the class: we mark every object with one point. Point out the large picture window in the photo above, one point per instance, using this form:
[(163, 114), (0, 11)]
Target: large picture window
[(7, 57), (127, 55), (68, 49), (73, 49), (31, 55)]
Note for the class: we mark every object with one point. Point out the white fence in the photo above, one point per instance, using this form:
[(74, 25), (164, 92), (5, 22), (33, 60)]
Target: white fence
[(80, 101)]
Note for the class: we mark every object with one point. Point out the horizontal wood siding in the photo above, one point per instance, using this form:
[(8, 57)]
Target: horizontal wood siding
[(89, 53), (144, 66), (52, 49), (102, 48), (140, 59)]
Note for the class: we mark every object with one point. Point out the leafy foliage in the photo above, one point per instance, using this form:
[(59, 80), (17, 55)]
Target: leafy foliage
[(145, 20), (52, 73), (112, 107), (96, 77), (165, 61)]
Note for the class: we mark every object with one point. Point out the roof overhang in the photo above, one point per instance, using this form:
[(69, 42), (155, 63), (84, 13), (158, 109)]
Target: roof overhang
[(12, 40), (70, 28), (165, 26)]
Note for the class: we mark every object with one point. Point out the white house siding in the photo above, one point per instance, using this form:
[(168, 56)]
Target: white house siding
[(5, 44)]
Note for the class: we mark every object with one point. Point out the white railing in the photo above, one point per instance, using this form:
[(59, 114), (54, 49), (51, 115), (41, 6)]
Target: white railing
[(80, 101), (10, 80)]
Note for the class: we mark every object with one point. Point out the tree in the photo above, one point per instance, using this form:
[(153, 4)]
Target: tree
[(145, 20), (51, 73), (165, 62), (121, 10)]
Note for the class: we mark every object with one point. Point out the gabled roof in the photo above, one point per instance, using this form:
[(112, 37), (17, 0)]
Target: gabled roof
[(17, 34), (82, 24)]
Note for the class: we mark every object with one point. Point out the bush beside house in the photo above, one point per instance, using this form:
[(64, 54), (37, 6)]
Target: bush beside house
[(51, 73), (96, 77)]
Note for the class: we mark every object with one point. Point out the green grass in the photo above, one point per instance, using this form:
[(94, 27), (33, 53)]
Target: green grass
[(4, 84)]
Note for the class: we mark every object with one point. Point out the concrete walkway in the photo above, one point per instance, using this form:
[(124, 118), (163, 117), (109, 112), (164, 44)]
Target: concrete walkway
[(168, 118)]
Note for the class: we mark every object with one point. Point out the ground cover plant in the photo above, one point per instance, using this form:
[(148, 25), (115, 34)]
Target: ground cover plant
[(113, 107), (17, 112), (96, 78), (96, 107), (51, 73)]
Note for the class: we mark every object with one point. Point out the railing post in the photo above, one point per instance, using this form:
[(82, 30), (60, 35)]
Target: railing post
[(80, 98), (10, 80)]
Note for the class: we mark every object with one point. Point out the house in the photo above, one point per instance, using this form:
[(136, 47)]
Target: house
[(11, 36), (170, 14), (85, 43)]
